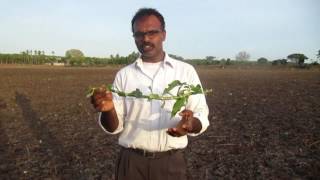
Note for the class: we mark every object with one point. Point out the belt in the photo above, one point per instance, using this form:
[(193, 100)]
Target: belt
[(153, 155)]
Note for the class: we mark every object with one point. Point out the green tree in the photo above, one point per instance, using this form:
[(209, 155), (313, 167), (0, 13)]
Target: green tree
[(279, 62), (74, 53), (262, 60), (228, 62), (176, 57), (74, 57), (132, 57), (297, 58), (210, 58)]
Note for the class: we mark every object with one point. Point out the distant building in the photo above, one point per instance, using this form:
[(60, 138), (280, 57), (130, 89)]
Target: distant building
[(58, 64)]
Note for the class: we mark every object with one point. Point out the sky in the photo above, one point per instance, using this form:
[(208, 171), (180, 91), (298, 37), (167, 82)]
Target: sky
[(195, 29)]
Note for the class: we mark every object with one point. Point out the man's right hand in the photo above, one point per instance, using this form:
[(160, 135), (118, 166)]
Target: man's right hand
[(102, 99)]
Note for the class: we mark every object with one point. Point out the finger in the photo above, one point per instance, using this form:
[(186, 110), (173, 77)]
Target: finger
[(97, 102), (186, 113), (177, 132), (170, 132), (174, 132), (182, 113), (100, 107), (97, 96), (108, 95)]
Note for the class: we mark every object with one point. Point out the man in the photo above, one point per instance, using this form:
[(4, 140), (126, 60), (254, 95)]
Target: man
[(151, 140)]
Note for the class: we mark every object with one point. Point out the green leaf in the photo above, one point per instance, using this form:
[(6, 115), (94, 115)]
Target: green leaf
[(196, 89), (110, 87), (90, 92), (178, 105), (172, 85), (137, 93)]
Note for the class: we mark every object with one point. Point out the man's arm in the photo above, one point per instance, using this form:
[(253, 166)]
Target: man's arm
[(109, 120)]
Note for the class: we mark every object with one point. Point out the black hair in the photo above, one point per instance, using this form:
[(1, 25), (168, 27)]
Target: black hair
[(148, 12)]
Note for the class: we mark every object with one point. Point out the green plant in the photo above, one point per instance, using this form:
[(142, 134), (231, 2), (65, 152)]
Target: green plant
[(181, 97)]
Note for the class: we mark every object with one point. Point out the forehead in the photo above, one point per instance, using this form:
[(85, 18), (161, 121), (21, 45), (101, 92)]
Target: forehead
[(146, 23)]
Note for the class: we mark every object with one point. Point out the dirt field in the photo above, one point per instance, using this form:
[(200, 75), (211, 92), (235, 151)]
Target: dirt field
[(265, 124)]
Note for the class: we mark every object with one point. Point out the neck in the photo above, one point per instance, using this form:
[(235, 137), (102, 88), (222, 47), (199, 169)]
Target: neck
[(153, 59)]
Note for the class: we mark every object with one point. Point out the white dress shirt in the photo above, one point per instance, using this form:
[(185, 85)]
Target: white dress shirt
[(142, 123)]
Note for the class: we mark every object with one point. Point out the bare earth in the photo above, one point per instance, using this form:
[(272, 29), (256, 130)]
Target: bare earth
[(265, 124)]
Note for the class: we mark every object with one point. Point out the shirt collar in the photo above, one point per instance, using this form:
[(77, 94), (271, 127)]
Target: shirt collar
[(167, 61)]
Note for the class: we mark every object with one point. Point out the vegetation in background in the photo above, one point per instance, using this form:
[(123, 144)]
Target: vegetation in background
[(75, 57), (297, 58), (242, 56), (262, 60)]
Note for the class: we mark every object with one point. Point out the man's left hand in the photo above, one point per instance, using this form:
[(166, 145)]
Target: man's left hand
[(188, 124)]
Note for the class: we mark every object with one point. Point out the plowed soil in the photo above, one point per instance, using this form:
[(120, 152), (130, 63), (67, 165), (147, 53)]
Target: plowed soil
[(265, 124)]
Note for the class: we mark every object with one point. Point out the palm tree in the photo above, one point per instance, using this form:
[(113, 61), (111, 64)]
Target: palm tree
[(24, 57), (52, 58)]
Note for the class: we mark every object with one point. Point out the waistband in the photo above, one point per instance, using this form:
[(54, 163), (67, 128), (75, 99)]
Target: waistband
[(152, 155)]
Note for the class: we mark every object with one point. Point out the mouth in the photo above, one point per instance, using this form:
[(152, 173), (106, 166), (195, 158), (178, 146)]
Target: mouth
[(147, 47)]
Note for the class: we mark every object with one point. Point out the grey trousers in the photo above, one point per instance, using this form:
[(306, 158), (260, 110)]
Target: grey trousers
[(135, 166)]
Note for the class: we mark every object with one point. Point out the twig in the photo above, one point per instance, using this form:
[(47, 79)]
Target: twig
[(28, 151), (314, 143)]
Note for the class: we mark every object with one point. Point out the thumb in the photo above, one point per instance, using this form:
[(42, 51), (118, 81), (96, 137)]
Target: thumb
[(186, 112)]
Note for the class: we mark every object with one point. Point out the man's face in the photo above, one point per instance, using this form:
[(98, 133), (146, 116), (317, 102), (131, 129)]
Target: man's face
[(149, 37)]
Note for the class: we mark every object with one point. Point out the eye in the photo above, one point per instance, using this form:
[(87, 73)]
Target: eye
[(138, 34), (153, 32), (150, 34)]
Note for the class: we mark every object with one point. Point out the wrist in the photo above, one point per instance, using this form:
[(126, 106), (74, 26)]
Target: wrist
[(196, 125)]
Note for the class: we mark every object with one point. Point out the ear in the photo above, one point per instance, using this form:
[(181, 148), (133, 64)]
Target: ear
[(164, 35)]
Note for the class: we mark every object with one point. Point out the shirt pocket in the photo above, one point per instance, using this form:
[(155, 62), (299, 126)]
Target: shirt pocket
[(136, 108)]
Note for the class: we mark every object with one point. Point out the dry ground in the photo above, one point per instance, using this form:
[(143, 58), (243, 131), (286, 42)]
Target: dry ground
[(264, 125)]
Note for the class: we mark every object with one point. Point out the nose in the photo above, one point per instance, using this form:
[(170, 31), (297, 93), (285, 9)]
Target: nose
[(146, 38)]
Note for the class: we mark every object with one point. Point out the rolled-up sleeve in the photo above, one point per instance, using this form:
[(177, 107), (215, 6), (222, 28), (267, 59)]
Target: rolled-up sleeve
[(197, 104)]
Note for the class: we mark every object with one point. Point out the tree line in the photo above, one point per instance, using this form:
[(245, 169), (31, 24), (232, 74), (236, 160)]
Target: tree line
[(75, 57), (242, 58)]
